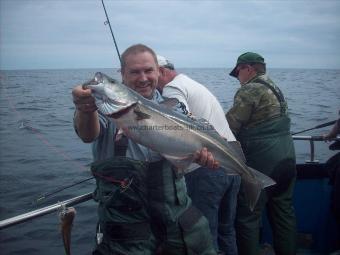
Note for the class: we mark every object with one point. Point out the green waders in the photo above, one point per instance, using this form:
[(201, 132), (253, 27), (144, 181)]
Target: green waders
[(143, 208), (269, 148)]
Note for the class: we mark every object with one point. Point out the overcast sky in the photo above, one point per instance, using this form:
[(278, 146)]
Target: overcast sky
[(71, 33)]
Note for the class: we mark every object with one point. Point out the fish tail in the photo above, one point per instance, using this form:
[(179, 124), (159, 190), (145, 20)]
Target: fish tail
[(66, 223), (253, 186), (264, 179)]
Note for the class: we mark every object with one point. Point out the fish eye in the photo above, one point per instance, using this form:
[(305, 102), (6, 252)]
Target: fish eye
[(98, 77)]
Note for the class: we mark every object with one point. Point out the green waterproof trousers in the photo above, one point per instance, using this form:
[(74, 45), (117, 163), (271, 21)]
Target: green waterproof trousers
[(269, 149), (143, 208)]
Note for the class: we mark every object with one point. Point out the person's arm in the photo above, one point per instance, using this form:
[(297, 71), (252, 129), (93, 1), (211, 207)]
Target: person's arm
[(240, 112), (86, 119), (334, 131)]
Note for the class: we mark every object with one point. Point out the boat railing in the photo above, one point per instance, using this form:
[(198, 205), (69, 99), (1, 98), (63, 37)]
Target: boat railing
[(311, 140), (45, 210)]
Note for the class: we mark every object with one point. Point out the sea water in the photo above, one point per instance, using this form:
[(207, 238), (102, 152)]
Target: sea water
[(40, 152)]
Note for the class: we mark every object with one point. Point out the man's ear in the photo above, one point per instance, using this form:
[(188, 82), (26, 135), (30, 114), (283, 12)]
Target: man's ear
[(162, 70)]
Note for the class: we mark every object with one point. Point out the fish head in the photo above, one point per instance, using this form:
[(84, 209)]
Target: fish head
[(110, 96)]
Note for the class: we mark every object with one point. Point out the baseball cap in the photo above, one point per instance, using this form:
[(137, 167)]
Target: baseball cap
[(247, 58), (162, 61)]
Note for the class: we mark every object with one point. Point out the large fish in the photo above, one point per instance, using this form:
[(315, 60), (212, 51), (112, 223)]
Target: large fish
[(175, 136)]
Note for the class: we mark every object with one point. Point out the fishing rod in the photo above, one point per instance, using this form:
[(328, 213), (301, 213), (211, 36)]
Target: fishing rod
[(46, 195), (113, 37), (316, 127), (45, 210)]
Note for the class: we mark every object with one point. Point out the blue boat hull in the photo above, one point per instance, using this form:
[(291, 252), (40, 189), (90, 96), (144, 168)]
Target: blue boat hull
[(315, 222)]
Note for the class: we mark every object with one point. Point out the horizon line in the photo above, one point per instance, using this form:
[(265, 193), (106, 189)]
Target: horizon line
[(117, 68)]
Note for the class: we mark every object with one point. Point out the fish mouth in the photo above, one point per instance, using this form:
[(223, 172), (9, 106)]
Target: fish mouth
[(109, 101), (97, 79), (89, 84)]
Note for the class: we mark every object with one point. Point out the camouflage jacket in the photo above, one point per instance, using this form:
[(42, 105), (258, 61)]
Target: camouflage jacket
[(256, 101)]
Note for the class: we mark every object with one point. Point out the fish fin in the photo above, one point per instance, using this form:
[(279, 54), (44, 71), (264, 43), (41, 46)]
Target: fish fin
[(252, 189), (141, 115), (253, 186), (205, 125), (182, 163), (169, 102), (106, 108), (264, 179), (235, 146)]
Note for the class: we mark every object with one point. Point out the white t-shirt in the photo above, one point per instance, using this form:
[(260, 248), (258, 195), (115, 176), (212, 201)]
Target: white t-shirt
[(200, 102)]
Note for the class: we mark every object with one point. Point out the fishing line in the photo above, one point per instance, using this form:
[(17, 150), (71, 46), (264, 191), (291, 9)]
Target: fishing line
[(46, 195), (44, 141), (113, 37), (39, 135)]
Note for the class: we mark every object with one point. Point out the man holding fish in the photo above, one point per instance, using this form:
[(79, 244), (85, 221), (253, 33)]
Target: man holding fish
[(143, 207), (143, 203)]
